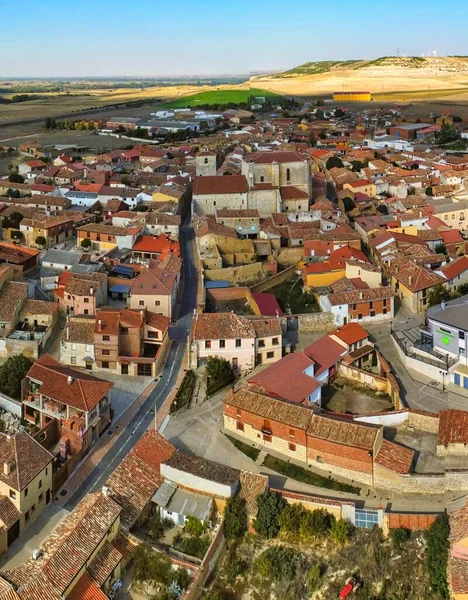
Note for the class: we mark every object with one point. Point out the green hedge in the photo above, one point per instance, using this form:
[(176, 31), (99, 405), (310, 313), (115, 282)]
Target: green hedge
[(185, 392), (300, 474)]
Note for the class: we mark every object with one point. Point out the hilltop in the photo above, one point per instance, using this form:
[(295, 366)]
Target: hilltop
[(439, 75)]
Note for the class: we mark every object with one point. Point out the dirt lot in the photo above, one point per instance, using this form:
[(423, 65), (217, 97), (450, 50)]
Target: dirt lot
[(343, 398)]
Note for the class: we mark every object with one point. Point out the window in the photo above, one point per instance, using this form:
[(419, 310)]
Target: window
[(372, 313), (157, 303), (238, 343), (461, 335), (47, 471), (141, 302), (292, 447), (33, 508), (153, 335), (106, 352), (288, 174), (261, 344), (291, 433), (12, 495), (73, 346), (270, 355), (105, 365), (275, 341), (106, 338), (371, 305), (206, 161), (354, 306), (262, 179), (40, 483), (384, 311), (124, 330), (239, 426), (73, 360), (26, 491), (207, 344), (266, 438), (26, 516), (86, 300), (359, 316), (222, 343), (385, 301), (238, 412), (41, 497)]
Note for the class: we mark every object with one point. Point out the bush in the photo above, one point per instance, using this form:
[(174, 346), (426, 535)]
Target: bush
[(15, 178), (86, 243), (12, 373), (40, 240), (333, 162), (291, 518), (339, 531), (185, 392), (193, 526), (317, 523), (270, 506), (234, 568), (193, 546), (235, 518), (278, 562), (348, 204), (219, 373), (399, 537), (437, 555), (313, 577), (155, 527), (151, 565)]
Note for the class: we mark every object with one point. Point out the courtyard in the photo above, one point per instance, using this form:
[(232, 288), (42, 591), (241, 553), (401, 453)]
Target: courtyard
[(343, 397)]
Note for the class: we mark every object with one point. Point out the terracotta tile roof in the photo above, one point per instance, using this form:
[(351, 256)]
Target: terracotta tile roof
[(454, 268), (265, 327), (103, 228), (412, 521), (26, 457), (453, 427), (361, 295), (458, 573), (254, 401), (290, 192), (39, 307), (263, 158), (343, 431), (79, 284), (251, 486), (9, 514), (276, 379), (458, 518), (84, 391), (219, 184), (79, 330), (412, 276), (7, 591), (137, 478), (351, 333), (205, 469), (209, 326), (346, 252), (324, 267), (159, 322), (154, 281), (395, 458), (104, 563), (161, 243), (324, 353), (86, 589), (12, 295)]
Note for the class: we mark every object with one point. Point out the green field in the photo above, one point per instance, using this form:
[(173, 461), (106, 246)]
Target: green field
[(220, 97)]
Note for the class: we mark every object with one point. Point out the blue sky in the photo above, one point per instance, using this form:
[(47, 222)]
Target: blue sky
[(180, 37)]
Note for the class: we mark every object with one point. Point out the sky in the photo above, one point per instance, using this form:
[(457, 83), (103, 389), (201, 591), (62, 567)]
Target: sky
[(149, 38)]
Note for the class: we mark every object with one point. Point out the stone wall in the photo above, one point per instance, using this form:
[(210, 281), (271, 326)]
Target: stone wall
[(275, 280), (288, 257), (241, 275), (423, 421), (311, 323)]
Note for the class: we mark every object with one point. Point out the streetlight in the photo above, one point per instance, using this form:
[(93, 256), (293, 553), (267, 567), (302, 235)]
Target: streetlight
[(444, 374)]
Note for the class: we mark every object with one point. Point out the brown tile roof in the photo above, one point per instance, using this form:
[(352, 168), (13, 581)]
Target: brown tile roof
[(458, 518), (290, 192), (9, 514), (394, 457), (81, 285), (275, 156), (246, 213), (159, 322), (265, 327), (206, 225), (7, 591), (200, 467), (154, 281), (39, 307), (343, 431), (104, 563), (209, 326), (458, 572), (412, 276), (453, 427), (253, 401), (79, 330), (136, 479), (220, 184), (103, 228), (84, 391), (12, 295), (356, 296), (251, 486), (412, 521), (26, 457)]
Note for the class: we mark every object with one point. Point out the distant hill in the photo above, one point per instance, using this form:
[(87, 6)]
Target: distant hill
[(384, 75)]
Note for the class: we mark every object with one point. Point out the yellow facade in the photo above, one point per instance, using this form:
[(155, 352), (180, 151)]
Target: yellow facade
[(323, 279), (352, 96), (160, 197), (411, 230)]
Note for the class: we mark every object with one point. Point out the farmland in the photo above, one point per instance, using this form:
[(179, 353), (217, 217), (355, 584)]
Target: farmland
[(221, 97)]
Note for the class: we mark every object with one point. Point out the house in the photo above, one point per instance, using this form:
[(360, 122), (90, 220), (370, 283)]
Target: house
[(77, 342), (211, 193), (107, 237), (81, 294), (148, 247), (245, 222), (367, 305), (407, 131), (243, 342), (155, 289), (53, 230), (25, 484), (362, 186), (60, 260), (412, 283), (128, 341), (455, 273), (79, 404), (159, 223), (22, 256), (323, 273)]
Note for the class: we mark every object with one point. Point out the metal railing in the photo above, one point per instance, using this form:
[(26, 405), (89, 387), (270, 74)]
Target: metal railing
[(442, 363)]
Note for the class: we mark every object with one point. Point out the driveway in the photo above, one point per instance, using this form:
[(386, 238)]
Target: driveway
[(125, 391), (21, 550)]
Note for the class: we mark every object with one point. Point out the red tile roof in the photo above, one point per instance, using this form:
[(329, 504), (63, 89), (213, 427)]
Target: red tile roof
[(226, 326), (68, 386), (452, 269), (325, 266), (267, 304), (453, 427), (351, 333), (343, 431), (347, 252), (86, 589), (275, 156), (451, 236), (159, 244), (291, 192), (395, 457), (324, 353)]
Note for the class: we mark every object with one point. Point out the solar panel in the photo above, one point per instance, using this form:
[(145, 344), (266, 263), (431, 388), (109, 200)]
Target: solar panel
[(124, 270)]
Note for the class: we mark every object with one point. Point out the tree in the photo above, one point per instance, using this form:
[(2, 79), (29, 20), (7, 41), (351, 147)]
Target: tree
[(429, 191), (12, 373), (334, 161), (278, 563), (291, 517), (447, 134), (399, 537), (441, 249), (437, 555), (219, 373), (339, 531), (151, 565), (357, 165), (235, 518), (348, 204), (411, 190), (438, 294), (86, 243), (193, 526), (339, 112), (6, 223), (40, 240), (313, 577), (316, 523), (270, 506), (383, 209), (15, 178)]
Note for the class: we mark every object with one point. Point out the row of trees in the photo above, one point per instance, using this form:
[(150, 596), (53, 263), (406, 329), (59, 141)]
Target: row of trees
[(51, 124)]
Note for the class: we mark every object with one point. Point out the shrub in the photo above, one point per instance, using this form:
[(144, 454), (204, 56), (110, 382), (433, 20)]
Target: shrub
[(339, 531), (12, 373), (151, 565), (15, 178), (155, 527), (185, 392), (86, 243), (437, 555), (219, 372), (193, 526), (270, 506), (235, 518), (193, 546), (317, 523), (348, 204), (291, 517), (313, 577), (278, 562), (234, 568), (334, 161), (399, 537), (40, 240)]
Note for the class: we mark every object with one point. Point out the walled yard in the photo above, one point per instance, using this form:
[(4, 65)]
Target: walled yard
[(318, 569), (239, 306), (292, 298), (351, 399)]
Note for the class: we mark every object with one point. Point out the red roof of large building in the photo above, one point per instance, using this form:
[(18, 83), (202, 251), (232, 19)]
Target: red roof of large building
[(220, 184), (325, 266), (159, 245), (275, 156), (451, 236)]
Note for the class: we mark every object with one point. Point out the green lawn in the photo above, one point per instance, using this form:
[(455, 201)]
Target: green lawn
[(290, 294), (220, 97), (249, 451), (300, 474)]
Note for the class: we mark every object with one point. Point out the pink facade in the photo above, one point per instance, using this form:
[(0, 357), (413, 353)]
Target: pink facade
[(78, 305), (239, 352)]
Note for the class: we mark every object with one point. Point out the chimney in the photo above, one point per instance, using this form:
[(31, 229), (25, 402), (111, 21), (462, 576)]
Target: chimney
[(99, 324), (68, 332), (6, 468), (105, 491), (91, 291), (69, 380), (410, 279)]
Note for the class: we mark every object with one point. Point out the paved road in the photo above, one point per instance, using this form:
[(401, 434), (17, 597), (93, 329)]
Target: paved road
[(143, 417)]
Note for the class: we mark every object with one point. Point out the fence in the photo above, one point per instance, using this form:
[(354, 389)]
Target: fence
[(434, 362)]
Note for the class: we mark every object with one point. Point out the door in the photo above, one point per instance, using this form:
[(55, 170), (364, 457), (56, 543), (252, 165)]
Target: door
[(235, 364), (457, 378), (124, 369), (89, 366), (47, 496), (465, 382), (13, 533)]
